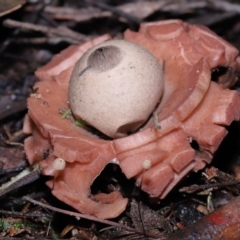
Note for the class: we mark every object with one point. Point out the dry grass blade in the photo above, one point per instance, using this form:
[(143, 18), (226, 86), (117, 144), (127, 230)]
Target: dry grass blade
[(196, 188), (21, 179), (9, 6), (130, 18), (62, 33)]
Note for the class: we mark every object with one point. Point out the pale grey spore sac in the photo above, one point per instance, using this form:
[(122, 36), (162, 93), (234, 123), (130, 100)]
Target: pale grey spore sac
[(115, 86)]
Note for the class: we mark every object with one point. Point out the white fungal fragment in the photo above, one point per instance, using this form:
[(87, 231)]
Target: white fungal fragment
[(115, 161), (59, 164), (146, 164)]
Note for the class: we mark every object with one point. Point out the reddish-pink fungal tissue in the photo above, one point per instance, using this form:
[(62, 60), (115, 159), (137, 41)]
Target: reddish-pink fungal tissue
[(192, 108)]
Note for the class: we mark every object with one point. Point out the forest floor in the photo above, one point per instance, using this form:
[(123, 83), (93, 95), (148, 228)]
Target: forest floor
[(29, 38)]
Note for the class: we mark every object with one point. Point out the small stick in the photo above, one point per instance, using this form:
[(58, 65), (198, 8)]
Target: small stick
[(114, 10), (63, 32), (196, 188), (19, 181), (85, 216)]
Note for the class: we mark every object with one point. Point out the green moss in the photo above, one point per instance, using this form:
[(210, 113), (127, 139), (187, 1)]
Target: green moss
[(80, 123), (66, 113), (4, 224)]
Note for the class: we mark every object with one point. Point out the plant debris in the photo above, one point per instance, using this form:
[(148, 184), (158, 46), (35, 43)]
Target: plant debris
[(32, 33)]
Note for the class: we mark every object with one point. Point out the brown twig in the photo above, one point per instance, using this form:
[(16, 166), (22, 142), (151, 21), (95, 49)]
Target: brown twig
[(196, 188), (61, 32), (77, 15), (222, 177), (131, 19), (12, 108), (136, 10), (85, 216), (225, 6), (30, 177)]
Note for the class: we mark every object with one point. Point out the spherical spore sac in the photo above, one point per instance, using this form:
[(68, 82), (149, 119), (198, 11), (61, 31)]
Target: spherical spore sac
[(115, 86)]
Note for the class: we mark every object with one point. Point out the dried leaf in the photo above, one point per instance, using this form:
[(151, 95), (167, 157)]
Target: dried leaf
[(152, 221), (11, 159)]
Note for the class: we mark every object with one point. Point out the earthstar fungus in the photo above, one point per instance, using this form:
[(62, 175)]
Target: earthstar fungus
[(191, 108)]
